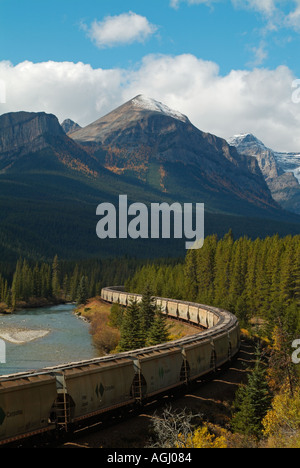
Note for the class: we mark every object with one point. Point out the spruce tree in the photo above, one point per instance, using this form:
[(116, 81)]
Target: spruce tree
[(132, 336), (116, 316), (55, 278), (9, 301), (147, 308), (252, 402), (190, 272), (17, 284), (205, 261), (82, 294), (158, 332), (74, 283), (222, 270)]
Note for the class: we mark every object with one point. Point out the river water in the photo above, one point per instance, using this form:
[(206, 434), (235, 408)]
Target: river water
[(37, 338)]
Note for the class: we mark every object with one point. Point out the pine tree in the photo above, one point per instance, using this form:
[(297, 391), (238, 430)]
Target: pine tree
[(205, 261), (190, 272), (287, 274), (17, 284), (132, 336), (297, 270), (252, 402), (282, 371), (158, 332), (26, 281), (116, 316), (9, 300), (74, 283), (36, 282), (66, 287), (82, 294), (147, 308), (222, 271), (55, 278)]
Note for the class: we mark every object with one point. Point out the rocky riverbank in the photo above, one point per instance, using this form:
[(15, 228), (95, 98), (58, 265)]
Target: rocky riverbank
[(21, 335)]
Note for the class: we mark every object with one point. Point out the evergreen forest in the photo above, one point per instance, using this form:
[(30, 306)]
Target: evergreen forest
[(258, 281)]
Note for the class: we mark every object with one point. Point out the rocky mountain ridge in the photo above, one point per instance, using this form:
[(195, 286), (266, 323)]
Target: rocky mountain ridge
[(24, 136), (69, 126), (27, 131), (281, 180), (144, 138), (289, 162)]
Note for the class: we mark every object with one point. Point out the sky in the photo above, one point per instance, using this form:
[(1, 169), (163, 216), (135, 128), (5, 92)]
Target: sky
[(231, 66)]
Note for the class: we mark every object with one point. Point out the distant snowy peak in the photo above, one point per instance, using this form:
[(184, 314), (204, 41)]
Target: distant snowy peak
[(247, 140), (150, 104), (290, 162), (286, 162), (250, 145)]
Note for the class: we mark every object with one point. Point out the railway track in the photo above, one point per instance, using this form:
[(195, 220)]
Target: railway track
[(60, 400)]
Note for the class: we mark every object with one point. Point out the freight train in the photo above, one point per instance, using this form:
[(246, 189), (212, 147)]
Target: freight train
[(60, 398)]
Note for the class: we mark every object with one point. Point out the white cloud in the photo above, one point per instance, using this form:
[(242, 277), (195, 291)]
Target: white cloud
[(260, 54), (175, 3), (293, 18), (257, 101), (277, 13), (65, 89), (122, 29), (266, 7)]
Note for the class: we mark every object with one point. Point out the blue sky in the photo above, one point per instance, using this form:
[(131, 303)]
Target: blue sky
[(229, 65), (229, 35)]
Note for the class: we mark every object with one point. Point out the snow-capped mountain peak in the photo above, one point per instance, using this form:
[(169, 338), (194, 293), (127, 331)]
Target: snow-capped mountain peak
[(290, 162), (246, 139), (146, 103), (252, 146), (248, 143)]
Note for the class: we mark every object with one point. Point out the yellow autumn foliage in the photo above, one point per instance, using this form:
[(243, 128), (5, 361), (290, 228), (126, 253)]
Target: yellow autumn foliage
[(282, 422), (202, 438)]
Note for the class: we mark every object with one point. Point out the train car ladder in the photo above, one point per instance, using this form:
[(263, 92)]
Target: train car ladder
[(213, 358), (62, 405), (185, 372), (139, 384), (62, 411), (137, 387)]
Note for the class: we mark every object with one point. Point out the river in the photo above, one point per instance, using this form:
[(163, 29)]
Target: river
[(37, 338)]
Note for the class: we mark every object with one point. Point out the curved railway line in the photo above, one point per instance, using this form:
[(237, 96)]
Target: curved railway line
[(59, 399)]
